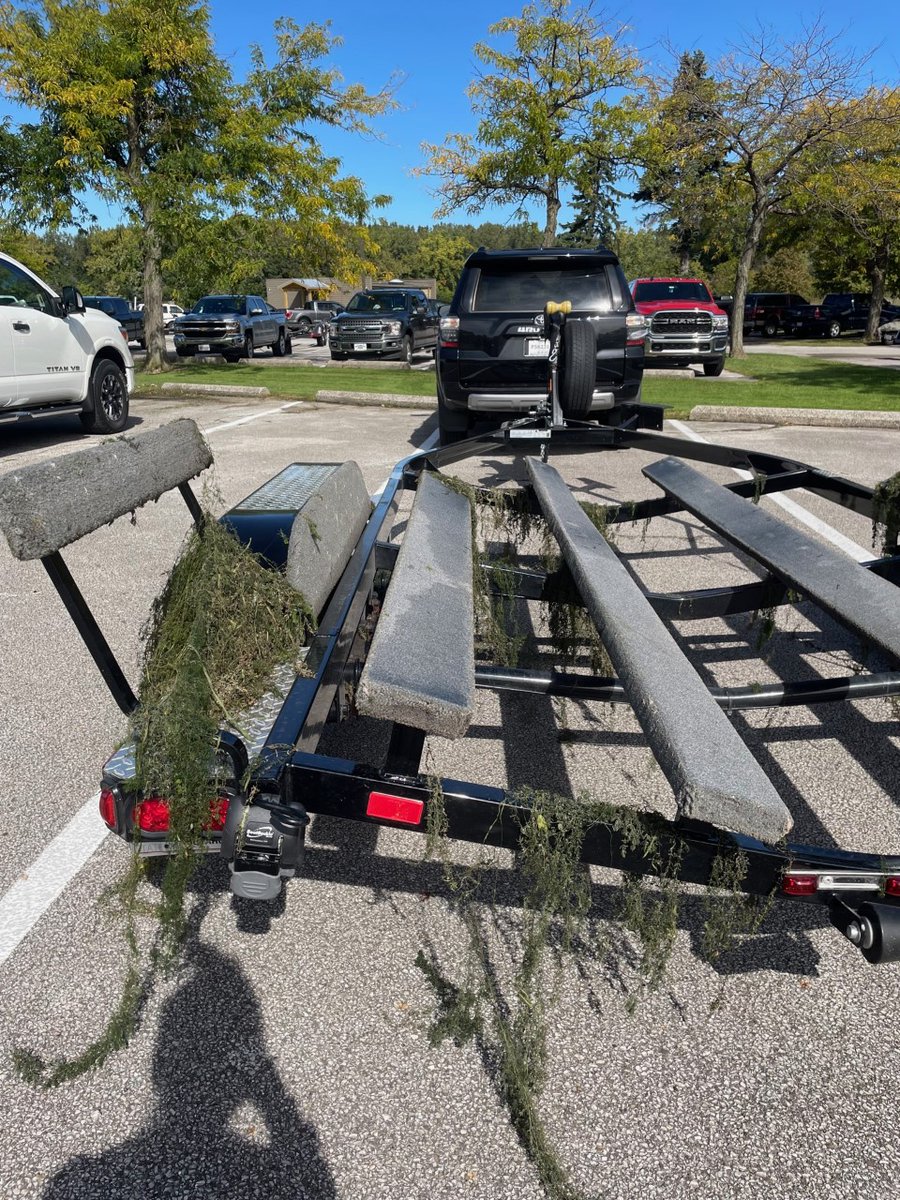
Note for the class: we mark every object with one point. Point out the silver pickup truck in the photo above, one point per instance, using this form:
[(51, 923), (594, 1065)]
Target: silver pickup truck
[(233, 326)]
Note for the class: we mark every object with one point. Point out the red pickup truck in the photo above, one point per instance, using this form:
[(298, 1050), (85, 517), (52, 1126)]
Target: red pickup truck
[(686, 324)]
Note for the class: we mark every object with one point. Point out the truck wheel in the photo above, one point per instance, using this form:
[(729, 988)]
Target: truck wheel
[(248, 345), (833, 330), (279, 346), (303, 327), (406, 354), (322, 339), (108, 398), (578, 369), (770, 329), (714, 368)]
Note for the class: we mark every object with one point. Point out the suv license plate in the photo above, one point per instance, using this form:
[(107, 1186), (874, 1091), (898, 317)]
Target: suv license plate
[(360, 345), (537, 347)]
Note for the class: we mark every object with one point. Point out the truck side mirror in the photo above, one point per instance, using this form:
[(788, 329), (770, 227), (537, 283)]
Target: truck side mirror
[(256, 312), (72, 299)]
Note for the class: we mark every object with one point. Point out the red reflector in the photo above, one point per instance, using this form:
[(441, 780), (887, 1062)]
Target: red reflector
[(395, 808), (108, 808), (800, 885), (152, 815), (892, 886)]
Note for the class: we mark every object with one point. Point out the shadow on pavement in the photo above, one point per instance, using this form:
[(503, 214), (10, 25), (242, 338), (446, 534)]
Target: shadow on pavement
[(224, 1126)]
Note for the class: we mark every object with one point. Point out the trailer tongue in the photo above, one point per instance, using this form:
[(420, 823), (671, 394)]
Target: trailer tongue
[(419, 670)]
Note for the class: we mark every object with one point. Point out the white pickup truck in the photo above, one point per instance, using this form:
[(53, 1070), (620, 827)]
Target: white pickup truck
[(58, 356)]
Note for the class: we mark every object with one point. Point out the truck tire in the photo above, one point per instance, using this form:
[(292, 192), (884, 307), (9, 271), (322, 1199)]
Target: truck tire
[(322, 339), (248, 345), (714, 368), (406, 354), (770, 329), (279, 346), (833, 329), (578, 369), (108, 399)]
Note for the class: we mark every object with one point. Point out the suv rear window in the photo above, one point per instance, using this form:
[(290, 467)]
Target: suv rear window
[(675, 290), (513, 287)]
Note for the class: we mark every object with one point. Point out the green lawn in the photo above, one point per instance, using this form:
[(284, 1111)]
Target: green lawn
[(780, 381), (296, 383)]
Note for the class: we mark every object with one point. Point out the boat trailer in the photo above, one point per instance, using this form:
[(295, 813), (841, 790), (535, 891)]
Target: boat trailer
[(396, 641)]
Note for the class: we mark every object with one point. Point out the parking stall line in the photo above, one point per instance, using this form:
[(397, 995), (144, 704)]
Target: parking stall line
[(849, 547)]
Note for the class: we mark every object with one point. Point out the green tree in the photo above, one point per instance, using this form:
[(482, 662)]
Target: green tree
[(550, 102), (853, 207), (645, 252), (682, 153), (441, 254), (781, 111), (136, 106), (595, 205)]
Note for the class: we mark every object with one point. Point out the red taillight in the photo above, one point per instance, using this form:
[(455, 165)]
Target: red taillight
[(152, 815), (218, 811), (395, 808), (108, 807), (892, 886), (450, 331), (800, 884)]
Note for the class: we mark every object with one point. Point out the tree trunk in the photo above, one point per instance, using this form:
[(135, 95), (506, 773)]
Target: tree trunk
[(157, 359), (877, 279), (745, 266), (553, 207)]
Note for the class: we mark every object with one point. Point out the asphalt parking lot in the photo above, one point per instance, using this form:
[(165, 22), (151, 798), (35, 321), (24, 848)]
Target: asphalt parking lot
[(289, 1058)]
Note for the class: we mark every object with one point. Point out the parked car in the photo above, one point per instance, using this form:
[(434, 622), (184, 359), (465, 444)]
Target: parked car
[(316, 313), (389, 322), (837, 313), (171, 310), (57, 355), (686, 324), (233, 326), (492, 357), (117, 307), (765, 312)]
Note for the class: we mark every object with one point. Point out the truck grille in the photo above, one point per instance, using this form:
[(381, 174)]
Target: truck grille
[(679, 324), (209, 330), (356, 325)]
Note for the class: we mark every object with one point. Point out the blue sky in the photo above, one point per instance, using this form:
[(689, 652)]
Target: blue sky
[(430, 45)]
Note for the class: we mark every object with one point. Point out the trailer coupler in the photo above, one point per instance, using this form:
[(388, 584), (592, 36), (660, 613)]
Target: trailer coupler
[(263, 846), (873, 928)]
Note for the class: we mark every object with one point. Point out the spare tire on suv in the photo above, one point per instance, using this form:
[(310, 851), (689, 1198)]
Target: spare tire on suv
[(492, 356)]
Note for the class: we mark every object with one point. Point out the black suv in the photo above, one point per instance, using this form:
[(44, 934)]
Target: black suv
[(492, 357), (767, 312), (384, 323)]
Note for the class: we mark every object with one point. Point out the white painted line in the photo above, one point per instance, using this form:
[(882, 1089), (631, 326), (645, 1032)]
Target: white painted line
[(849, 547), (269, 412), (59, 862)]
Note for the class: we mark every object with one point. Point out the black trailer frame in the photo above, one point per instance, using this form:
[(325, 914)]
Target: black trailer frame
[(290, 779)]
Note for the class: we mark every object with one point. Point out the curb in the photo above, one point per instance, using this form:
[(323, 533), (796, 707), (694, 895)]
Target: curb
[(835, 418), (221, 389), (375, 399)]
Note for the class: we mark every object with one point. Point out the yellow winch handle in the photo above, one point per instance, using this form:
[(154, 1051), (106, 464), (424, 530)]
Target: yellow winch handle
[(557, 306)]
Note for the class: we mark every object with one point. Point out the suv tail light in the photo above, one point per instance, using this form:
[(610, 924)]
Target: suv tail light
[(637, 326), (450, 331)]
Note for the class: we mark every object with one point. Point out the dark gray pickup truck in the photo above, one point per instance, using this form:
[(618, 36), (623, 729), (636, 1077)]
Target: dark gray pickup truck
[(233, 326), (387, 322)]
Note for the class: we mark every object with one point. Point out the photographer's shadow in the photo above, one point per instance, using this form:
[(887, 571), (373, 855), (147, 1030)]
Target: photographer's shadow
[(224, 1127)]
